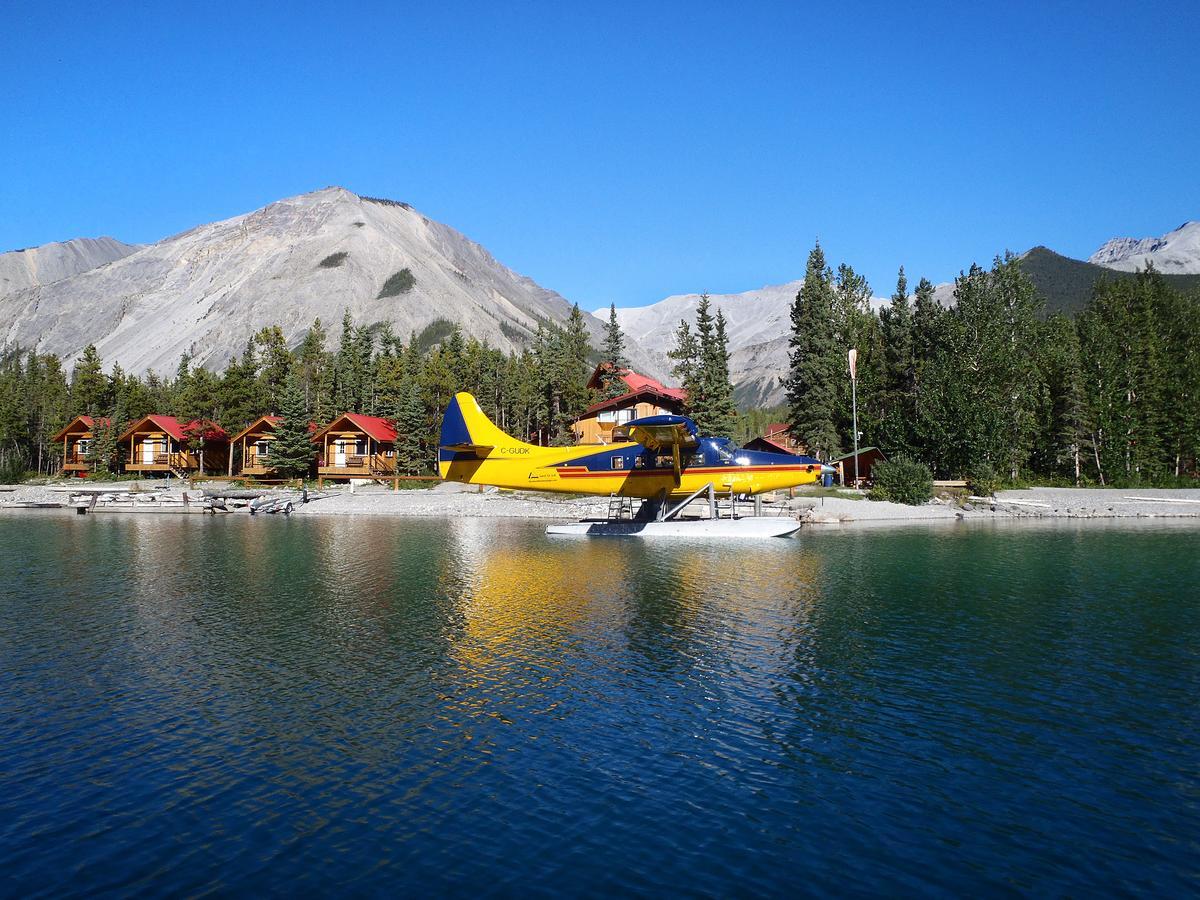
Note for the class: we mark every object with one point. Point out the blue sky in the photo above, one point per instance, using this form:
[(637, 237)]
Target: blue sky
[(616, 151)]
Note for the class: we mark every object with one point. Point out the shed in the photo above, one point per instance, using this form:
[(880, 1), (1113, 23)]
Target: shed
[(867, 458)]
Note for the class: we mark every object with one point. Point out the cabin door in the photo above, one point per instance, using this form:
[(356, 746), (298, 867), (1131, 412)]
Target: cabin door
[(149, 448), (339, 452)]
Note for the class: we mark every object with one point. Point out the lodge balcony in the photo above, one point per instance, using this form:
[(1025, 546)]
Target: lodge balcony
[(164, 462), (375, 465), (76, 462), (257, 465)]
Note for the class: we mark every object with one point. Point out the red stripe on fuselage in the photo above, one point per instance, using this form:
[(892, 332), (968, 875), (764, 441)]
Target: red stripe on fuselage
[(575, 472)]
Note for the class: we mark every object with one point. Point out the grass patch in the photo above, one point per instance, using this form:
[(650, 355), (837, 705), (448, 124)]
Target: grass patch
[(399, 283), (434, 333), (333, 260), (517, 335), (384, 202)]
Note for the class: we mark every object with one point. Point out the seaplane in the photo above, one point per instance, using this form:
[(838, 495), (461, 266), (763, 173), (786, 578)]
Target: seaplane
[(661, 460)]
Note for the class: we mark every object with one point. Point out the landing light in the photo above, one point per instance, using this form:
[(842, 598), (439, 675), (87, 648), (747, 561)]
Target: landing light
[(741, 460)]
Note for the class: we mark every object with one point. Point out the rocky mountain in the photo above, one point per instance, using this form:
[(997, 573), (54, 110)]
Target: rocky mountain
[(1176, 252), (758, 324), (207, 290), (52, 262)]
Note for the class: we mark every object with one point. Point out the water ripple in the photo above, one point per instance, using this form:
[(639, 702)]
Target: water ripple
[(193, 706)]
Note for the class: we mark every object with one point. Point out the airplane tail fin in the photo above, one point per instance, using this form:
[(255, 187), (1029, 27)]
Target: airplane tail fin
[(467, 429)]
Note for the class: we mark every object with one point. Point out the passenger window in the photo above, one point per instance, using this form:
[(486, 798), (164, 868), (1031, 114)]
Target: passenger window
[(618, 462)]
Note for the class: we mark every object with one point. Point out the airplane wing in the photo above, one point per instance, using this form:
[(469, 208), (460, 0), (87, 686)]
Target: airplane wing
[(657, 433), (662, 432)]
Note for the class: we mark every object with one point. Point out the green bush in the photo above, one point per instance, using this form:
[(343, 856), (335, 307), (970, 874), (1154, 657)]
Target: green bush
[(12, 471), (400, 283), (333, 260), (902, 480), (983, 480)]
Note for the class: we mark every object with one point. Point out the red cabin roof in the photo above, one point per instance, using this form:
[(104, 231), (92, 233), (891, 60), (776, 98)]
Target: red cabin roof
[(87, 422), (639, 386), (373, 426), (210, 431), (261, 420)]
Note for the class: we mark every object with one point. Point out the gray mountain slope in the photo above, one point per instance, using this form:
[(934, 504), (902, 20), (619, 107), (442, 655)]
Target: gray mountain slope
[(20, 269), (1175, 253), (207, 290)]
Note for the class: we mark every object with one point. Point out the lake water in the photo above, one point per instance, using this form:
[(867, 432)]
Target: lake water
[(356, 706)]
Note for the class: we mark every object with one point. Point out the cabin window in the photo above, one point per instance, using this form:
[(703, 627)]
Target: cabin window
[(618, 462), (389, 453), (82, 446), (261, 448), (614, 416)]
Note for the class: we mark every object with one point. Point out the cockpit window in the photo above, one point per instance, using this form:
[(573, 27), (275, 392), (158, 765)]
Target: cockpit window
[(723, 447)]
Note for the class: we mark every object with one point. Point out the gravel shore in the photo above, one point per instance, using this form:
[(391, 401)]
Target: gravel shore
[(457, 501)]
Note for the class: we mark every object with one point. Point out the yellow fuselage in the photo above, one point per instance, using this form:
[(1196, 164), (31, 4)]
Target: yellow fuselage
[(549, 469)]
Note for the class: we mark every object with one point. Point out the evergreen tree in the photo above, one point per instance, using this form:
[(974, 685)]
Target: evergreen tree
[(813, 383), (313, 364), (721, 415), (90, 390), (409, 419), (292, 450), (899, 390), (105, 453), (273, 365), (686, 356), (613, 358)]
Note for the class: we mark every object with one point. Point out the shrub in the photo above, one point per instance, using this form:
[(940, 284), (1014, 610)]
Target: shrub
[(333, 260), (400, 283), (983, 480), (902, 480), (12, 470)]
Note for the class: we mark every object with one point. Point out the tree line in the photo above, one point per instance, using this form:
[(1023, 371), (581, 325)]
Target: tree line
[(990, 384), (986, 383), (537, 393)]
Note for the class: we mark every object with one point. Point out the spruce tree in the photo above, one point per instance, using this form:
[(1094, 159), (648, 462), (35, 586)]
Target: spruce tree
[(686, 357), (816, 361), (899, 400), (613, 361), (720, 413), (409, 417), (91, 392), (292, 450)]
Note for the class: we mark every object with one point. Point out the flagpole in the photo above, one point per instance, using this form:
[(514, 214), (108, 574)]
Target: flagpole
[(853, 356)]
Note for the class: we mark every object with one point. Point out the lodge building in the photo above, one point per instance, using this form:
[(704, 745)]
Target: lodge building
[(77, 437), (645, 397), (162, 444), (356, 446)]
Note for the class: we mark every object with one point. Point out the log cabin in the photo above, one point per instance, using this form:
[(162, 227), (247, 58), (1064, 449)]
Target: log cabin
[(868, 457), (644, 397), (158, 444), (255, 443), (356, 446), (777, 438), (77, 439)]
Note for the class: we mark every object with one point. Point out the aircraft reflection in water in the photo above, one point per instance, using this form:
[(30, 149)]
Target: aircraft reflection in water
[(664, 453)]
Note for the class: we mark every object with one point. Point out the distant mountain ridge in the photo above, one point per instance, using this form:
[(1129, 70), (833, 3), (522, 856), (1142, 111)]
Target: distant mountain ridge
[(48, 263), (1175, 253), (760, 324), (207, 290)]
